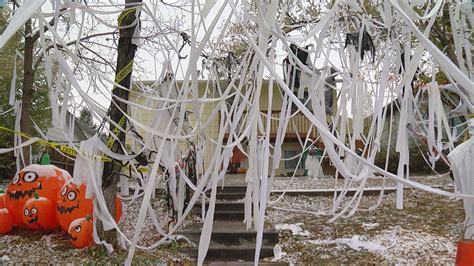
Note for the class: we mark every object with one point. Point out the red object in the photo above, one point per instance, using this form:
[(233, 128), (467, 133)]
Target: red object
[(39, 214), (6, 221), (80, 232), (465, 253), (44, 180), (118, 209), (72, 204), (237, 155), (241, 171), (2, 201)]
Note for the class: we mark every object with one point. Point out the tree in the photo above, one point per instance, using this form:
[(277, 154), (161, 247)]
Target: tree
[(39, 109), (125, 57), (33, 57), (31, 69), (292, 16)]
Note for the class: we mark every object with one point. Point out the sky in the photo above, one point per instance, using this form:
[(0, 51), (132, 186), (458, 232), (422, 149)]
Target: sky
[(152, 63)]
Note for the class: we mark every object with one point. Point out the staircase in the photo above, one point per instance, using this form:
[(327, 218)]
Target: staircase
[(231, 242)]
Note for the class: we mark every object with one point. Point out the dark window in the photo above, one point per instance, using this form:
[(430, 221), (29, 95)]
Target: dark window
[(291, 164)]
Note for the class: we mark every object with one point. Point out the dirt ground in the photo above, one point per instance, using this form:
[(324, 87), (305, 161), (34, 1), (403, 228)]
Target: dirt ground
[(425, 231)]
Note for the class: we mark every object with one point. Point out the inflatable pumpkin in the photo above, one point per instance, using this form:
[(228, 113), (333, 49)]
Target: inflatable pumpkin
[(2, 201), (39, 214), (72, 204), (80, 232), (45, 180), (6, 222)]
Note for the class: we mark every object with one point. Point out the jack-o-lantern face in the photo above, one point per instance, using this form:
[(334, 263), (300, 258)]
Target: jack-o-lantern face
[(31, 215), (44, 180), (39, 214), (24, 185), (72, 204), (80, 232)]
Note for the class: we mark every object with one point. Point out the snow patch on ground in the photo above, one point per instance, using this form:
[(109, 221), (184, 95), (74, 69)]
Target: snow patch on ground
[(304, 182), (295, 229), (46, 239), (404, 246), (398, 246), (356, 243), (368, 226), (278, 253)]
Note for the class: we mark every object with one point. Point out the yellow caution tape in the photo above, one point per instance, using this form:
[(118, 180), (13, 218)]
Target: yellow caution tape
[(139, 168), (125, 13), (116, 130), (124, 72), (67, 149), (62, 148), (15, 132)]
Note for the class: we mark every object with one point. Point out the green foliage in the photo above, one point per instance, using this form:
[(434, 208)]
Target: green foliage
[(7, 55), (174, 247), (97, 252), (41, 110)]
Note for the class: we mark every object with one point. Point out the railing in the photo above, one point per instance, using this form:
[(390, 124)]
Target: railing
[(298, 125)]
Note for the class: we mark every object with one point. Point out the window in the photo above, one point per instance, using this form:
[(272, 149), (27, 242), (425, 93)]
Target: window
[(291, 164)]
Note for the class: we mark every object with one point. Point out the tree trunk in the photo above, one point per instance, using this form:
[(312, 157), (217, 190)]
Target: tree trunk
[(125, 55), (27, 92)]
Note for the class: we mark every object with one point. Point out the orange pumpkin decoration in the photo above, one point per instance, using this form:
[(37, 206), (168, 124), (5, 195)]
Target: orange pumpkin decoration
[(39, 214), (6, 222), (80, 232), (2, 201), (72, 204), (45, 180)]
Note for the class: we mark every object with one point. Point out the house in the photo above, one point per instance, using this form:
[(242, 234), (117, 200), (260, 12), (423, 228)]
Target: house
[(417, 143), (298, 127), (75, 131)]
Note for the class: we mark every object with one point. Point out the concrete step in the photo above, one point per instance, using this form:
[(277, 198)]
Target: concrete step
[(230, 234), (229, 215), (230, 189), (230, 196), (224, 206), (223, 215), (243, 263), (230, 253)]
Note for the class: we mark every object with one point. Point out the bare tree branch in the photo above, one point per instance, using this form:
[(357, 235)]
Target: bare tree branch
[(40, 58), (107, 62)]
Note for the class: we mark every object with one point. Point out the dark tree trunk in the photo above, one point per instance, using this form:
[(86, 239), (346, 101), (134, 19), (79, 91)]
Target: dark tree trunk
[(110, 176), (27, 91)]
